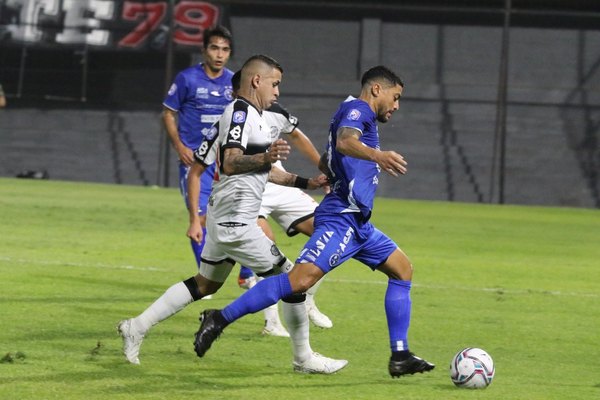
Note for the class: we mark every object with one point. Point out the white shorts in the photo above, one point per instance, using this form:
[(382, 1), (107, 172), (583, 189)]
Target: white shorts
[(247, 245), (288, 206)]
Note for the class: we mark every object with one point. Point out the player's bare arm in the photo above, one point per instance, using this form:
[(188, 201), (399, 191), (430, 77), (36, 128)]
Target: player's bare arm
[(348, 143), (236, 162), (170, 120), (194, 231), (303, 143), (284, 178), (323, 166)]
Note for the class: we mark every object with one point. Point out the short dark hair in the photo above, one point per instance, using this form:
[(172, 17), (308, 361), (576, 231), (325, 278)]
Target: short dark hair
[(270, 61), (236, 81), (219, 31), (381, 72)]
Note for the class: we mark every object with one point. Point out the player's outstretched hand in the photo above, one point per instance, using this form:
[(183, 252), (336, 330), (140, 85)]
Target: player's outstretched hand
[(279, 150), (391, 162)]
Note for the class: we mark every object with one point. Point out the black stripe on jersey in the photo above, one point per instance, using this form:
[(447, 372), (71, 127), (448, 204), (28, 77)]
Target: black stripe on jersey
[(207, 143), (237, 123), (218, 262), (278, 109)]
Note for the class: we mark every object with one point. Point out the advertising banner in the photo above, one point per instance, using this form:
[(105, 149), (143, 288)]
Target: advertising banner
[(108, 24)]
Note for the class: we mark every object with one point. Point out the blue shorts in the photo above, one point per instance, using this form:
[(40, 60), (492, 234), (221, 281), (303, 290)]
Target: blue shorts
[(206, 180), (339, 237)]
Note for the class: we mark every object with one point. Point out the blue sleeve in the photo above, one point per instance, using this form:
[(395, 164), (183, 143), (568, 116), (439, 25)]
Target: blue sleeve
[(177, 93), (354, 117)]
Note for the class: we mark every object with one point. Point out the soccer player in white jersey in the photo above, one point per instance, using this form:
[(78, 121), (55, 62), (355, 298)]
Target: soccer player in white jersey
[(343, 229), (243, 168)]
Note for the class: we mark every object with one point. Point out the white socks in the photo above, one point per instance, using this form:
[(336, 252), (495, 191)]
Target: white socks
[(296, 321), (171, 302)]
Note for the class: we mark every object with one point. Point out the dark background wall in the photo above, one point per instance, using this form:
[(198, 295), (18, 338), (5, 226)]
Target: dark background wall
[(446, 125)]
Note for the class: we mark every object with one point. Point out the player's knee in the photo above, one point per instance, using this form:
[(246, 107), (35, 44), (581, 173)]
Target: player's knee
[(199, 286), (300, 284), (397, 266)]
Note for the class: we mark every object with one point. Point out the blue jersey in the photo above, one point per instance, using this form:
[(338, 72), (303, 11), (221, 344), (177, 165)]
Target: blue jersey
[(353, 181), (342, 227), (199, 101)]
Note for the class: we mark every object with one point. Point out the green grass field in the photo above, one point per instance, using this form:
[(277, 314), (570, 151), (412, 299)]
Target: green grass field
[(523, 283)]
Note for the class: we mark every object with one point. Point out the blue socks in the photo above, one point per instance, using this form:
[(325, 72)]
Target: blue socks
[(397, 310), (197, 247), (245, 272), (266, 292)]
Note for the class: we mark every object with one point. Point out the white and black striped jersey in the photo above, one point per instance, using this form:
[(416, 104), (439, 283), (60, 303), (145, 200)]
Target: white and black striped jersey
[(236, 198), (277, 120)]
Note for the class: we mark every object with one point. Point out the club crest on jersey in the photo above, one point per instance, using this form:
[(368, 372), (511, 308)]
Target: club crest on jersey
[(274, 133), (212, 132), (239, 117), (172, 90), (228, 94), (354, 114), (275, 251), (334, 260)]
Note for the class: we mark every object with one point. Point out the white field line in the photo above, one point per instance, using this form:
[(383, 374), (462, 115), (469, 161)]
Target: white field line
[(473, 289), (332, 280), (80, 265)]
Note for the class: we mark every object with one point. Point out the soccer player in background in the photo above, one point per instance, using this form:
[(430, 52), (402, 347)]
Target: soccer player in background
[(342, 224), (194, 102)]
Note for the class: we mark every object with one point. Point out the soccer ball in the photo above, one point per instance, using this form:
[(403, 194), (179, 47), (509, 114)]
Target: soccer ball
[(472, 368)]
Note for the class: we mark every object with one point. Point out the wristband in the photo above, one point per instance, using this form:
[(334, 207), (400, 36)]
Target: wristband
[(301, 183)]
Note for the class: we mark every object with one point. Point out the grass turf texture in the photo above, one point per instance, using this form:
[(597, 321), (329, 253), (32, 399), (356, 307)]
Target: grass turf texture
[(520, 282)]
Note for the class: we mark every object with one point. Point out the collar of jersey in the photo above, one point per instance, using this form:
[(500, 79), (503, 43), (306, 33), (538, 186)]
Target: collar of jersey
[(249, 103)]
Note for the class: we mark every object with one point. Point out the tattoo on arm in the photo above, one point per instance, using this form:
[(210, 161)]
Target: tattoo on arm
[(235, 162), (281, 177)]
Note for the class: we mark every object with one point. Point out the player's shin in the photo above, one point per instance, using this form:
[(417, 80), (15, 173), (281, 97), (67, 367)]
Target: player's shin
[(397, 308), (296, 319), (173, 300), (261, 296)]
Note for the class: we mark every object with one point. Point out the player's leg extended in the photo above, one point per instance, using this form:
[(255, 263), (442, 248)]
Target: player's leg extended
[(398, 306), (296, 318), (265, 293), (296, 216), (173, 300)]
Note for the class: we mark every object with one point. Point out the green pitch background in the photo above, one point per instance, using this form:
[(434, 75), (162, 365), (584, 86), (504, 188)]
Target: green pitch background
[(522, 283)]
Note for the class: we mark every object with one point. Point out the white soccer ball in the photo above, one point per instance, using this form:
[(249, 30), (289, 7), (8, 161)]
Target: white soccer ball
[(472, 368)]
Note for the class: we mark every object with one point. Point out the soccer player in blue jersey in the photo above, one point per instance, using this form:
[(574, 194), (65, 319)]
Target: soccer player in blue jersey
[(195, 101), (342, 229)]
